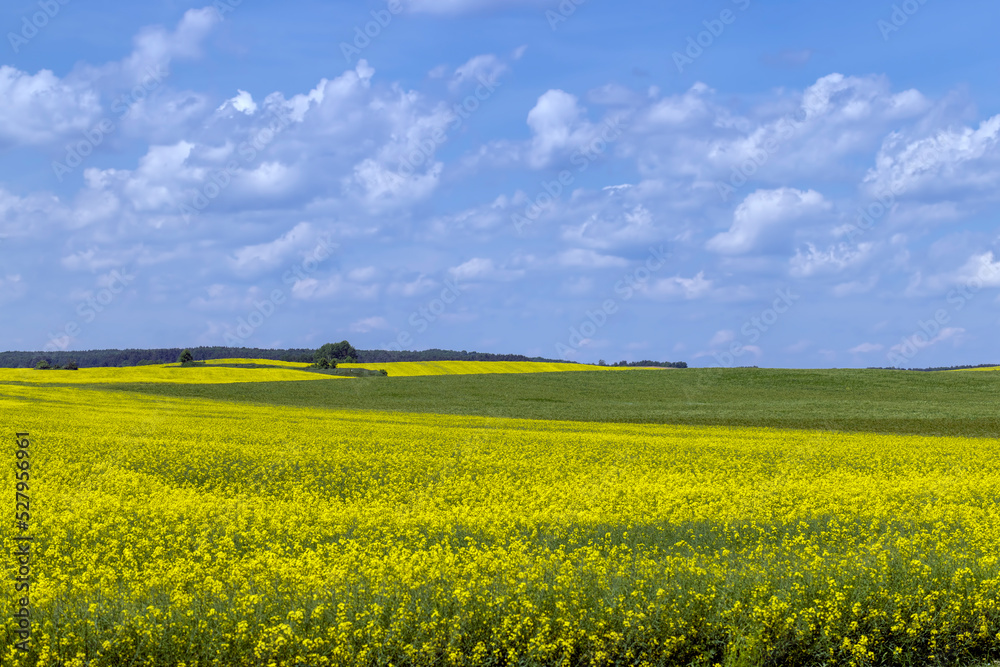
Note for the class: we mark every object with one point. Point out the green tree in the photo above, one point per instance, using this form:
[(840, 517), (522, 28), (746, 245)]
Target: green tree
[(186, 357), (342, 351), (71, 366), (42, 365), (323, 363)]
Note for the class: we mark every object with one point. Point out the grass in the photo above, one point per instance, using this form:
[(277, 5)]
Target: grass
[(842, 400)]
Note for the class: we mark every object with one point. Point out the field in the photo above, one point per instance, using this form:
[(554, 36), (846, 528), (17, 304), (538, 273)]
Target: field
[(235, 516), (951, 403)]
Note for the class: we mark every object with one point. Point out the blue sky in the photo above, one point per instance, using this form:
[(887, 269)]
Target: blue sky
[(736, 182)]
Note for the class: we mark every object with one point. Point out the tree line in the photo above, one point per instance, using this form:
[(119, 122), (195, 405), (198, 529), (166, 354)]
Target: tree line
[(647, 362), (342, 352)]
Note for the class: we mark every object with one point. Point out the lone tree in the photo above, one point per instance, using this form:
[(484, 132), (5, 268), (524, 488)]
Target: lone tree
[(342, 351), (186, 357)]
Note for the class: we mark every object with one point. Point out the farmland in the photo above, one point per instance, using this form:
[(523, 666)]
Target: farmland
[(228, 516), (953, 403)]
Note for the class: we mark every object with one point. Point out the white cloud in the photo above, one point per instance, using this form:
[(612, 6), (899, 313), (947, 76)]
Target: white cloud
[(243, 103), (560, 129), (42, 109), (369, 324), (483, 269), (267, 256), (866, 348), (617, 219), (314, 289), (363, 274), (588, 259), (763, 211), (478, 70), (156, 46), (39, 109), (479, 219), (420, 285), (953, 158), (687, 288), (783, 139), (680, 109), (855, 286), (980, 269), (722, 337), (556, 124), (833, 259)]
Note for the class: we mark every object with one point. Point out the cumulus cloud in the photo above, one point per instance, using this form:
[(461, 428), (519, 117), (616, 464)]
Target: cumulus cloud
[(678, 287), (722, 337), (41, 108), (866, 348), (281, 147), (763, 212), (695, 136), (556, 123), (266, 256), (980, 269), (855, 286), (952, 159), (478, 70), (833, 259), (560, 129), (334, 287), (242, 103), (613, 220), (369, 324), (480, 269), (589, 259), (156, 45)]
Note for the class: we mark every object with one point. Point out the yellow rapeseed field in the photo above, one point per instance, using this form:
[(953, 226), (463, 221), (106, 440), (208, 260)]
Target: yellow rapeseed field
[(280, 371), (985, 368), (158, 373), (197, 532)]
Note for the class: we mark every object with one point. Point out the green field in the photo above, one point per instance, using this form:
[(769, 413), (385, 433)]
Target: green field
[(872, 401)]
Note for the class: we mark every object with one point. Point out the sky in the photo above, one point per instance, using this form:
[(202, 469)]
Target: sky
[(727, 183)]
